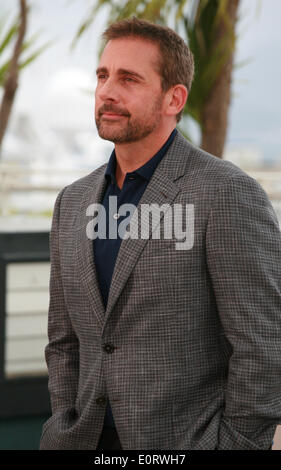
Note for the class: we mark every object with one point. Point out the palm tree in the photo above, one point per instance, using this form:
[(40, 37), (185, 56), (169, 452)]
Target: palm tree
[(10, 68), (212, 39), (208, 26)]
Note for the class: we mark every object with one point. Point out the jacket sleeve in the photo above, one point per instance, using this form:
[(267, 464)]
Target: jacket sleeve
[(62, 351), (243, 244)]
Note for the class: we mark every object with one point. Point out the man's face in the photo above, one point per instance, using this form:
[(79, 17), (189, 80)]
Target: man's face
[(128, 98)]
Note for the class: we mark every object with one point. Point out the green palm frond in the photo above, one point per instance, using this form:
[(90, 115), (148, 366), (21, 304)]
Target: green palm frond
[(153, 10), (28, 60), (3, 71), (8, 36), (90, 18), (7, 39)]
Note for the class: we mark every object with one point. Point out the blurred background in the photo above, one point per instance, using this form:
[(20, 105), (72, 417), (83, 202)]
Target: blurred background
[(48, 56)]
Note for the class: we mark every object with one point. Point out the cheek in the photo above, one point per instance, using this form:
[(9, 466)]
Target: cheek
[(97, 102)]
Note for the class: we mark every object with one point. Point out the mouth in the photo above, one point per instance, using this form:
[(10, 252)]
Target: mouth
[(112, 116)]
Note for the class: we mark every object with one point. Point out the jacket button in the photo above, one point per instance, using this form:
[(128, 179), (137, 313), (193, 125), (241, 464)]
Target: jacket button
[(109, 348), (101, 400)]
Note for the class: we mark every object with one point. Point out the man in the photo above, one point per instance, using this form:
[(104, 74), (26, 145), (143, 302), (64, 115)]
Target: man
[(163, 335)]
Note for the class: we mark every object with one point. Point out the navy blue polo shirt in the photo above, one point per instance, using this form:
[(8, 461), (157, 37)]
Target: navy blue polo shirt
[(106, 249)]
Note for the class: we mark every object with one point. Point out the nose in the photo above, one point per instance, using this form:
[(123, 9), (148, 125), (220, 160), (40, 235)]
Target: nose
[(108, 91)]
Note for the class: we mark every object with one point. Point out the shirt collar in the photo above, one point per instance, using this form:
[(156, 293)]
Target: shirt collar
[(146, 170)]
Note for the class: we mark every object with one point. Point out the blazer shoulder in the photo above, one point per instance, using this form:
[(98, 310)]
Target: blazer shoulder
[(207, 168), (69, 198), (81, 185)]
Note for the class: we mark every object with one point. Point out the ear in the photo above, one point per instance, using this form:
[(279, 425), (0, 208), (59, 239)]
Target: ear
[(176, 99)]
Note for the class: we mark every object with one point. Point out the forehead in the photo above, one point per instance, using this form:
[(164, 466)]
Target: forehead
[(137, 53)]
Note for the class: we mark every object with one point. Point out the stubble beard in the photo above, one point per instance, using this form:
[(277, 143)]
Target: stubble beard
[(135, 128)]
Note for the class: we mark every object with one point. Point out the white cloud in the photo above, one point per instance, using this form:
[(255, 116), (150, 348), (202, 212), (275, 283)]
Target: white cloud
[(70, 80), (69, 99)]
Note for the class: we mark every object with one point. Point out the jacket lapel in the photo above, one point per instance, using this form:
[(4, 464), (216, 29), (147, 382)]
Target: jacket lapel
[(84, 249), (161, 189)]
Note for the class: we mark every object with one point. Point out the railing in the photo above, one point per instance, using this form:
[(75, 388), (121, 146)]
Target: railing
[(15, 179), (270, 181)]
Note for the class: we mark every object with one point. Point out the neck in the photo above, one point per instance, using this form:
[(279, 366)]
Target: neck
[(130, 156)]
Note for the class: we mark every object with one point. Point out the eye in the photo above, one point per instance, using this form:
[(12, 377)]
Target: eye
[(129, 79)]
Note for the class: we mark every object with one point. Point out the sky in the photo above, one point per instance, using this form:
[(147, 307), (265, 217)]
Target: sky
[(58, 89), (255, 115)]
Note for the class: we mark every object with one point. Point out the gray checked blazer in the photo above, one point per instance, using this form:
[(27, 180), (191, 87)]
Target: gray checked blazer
[(188, 350)]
